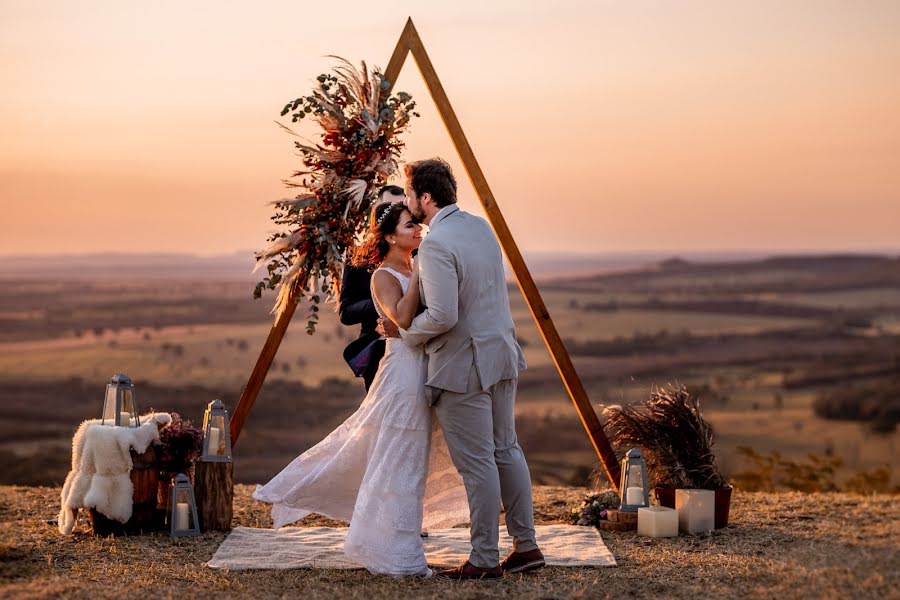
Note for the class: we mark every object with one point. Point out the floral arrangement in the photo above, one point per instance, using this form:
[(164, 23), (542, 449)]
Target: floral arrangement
[(593, 508), (677, 440), (180, 444), (357, 153)]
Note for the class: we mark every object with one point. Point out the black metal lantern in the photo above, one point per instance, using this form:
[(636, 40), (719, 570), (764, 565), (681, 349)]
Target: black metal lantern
[(119, 405), (216, 434), (182, 508), (633, 485)]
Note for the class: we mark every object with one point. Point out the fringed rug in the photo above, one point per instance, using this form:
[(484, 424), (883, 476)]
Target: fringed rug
[(323, 548)]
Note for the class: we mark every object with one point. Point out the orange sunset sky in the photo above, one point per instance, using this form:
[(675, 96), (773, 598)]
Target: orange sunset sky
[(601, 126)]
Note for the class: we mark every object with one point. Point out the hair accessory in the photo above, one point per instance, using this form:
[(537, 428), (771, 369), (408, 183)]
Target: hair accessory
[(384, 215)]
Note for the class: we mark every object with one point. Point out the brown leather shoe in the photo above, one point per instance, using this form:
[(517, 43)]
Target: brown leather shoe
[(469, 571), (522, 562)]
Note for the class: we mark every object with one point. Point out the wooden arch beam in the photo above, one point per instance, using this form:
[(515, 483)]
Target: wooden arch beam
[(411, 43)]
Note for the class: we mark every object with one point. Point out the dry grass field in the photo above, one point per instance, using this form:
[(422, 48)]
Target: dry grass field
[(786, 545)]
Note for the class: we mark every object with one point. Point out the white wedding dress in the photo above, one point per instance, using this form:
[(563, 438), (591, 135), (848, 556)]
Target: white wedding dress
[(386, 470)]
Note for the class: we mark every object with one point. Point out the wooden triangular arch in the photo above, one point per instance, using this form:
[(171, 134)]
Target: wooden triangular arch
[(411, 43)]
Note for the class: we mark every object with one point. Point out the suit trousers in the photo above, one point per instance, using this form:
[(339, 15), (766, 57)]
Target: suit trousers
[(480, 430)]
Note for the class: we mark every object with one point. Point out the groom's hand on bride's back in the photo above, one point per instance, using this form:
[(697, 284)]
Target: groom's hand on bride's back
[(387, 328)]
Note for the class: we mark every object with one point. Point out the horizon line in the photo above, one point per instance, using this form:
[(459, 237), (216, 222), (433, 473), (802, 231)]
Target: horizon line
[(567, 253)]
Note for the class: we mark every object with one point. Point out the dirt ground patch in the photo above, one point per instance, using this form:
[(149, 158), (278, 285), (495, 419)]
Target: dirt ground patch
[(786, 545)]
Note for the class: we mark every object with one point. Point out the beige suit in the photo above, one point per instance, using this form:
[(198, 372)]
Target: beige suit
[(474, 359)]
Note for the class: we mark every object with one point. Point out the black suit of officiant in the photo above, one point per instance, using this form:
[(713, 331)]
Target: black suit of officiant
[(357, 308)]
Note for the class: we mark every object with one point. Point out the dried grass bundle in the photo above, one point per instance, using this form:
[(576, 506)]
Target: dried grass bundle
[(676, 439)]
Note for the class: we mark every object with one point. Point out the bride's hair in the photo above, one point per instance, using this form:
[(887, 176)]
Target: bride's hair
[(383, 221)]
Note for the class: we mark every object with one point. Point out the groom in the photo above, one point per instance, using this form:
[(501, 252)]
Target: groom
[(467, 333)]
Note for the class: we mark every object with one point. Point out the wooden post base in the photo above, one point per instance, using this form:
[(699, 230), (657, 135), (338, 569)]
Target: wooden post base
[(214, 492)]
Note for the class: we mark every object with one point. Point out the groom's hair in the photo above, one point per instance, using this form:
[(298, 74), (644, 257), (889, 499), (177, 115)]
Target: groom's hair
[(434, 176)]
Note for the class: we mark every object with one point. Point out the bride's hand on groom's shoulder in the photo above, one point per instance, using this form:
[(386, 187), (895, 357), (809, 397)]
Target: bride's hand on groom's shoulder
[(387, 328)]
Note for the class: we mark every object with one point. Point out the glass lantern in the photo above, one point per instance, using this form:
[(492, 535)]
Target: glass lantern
[(182, 508), (633, 485), (216, 434), (119, 406)]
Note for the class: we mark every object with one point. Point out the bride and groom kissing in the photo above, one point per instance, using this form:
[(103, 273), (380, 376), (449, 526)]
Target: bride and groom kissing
[(434, 442)]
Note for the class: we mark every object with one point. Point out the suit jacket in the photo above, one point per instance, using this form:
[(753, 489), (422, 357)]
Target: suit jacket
[(355, 305), (467, 321)]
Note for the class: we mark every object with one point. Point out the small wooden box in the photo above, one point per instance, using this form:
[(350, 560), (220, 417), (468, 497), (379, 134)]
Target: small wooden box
[(611, 526), (617, 516)]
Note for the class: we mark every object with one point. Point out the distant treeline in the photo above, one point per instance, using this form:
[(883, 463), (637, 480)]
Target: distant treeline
[(775, 275), (724, 306), (665, 341), (876, 403)]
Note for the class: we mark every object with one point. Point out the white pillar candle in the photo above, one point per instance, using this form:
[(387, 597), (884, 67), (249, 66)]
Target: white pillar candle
[(696, 510), (181, 516), (657, 521), (634, 496), (125, 419), (213, 446)]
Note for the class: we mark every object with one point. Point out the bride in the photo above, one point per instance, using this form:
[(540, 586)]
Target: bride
[(386, 469)]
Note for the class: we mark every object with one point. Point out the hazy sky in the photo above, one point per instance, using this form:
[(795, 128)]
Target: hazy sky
[(601, 126)]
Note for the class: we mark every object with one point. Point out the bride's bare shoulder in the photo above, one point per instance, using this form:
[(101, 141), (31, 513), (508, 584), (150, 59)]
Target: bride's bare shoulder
[(384, 281)]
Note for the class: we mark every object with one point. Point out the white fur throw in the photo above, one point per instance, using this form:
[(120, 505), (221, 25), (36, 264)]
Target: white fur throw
[(101, 466)]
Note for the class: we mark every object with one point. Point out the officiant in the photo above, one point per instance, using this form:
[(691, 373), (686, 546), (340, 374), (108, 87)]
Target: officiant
[(357, 308)]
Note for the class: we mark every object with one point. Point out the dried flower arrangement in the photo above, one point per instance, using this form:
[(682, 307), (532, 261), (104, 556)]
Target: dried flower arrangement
[(357, 154), (677, 441)]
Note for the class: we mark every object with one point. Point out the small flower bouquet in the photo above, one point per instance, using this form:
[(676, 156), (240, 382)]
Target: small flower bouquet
[(180, 444), (593, 508)]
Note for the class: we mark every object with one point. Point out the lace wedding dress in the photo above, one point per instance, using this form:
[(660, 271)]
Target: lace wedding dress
[(386, 470)]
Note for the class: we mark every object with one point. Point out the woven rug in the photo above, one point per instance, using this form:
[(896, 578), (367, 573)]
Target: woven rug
[(323, 548)]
